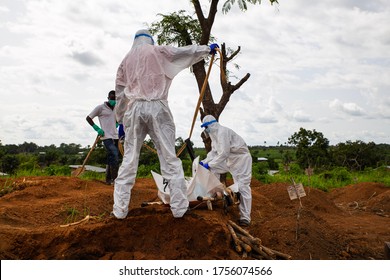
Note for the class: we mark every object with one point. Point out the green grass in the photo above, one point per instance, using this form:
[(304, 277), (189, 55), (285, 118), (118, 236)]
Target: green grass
[(324, 180), (90, 175), (71, 214), (6, 187), (335, 178)]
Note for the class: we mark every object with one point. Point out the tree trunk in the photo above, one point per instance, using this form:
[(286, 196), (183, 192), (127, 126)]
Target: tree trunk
[(209, 105)]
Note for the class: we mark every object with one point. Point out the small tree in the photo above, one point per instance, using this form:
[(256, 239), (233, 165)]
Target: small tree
[(9, 164), (312, 148)]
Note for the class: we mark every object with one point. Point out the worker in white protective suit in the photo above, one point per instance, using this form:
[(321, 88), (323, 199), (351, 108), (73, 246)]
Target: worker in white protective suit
[(229, 153), (142, 83)]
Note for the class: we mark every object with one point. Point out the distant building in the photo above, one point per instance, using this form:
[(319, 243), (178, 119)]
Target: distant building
[(262, 159)]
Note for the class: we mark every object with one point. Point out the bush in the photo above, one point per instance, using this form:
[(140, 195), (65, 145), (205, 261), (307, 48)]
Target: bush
[(144, 170), (293, 169), (341, 174), (187, 167), (57, 170), (9, 164), (337, 177)]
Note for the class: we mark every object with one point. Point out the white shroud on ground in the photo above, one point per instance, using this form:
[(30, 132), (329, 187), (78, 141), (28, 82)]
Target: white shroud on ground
[(202, 183)]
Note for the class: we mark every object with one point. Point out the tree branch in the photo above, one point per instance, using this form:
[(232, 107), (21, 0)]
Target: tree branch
[(199, 12), (205, 23), (241, 82), (234, 54), (227, 93)]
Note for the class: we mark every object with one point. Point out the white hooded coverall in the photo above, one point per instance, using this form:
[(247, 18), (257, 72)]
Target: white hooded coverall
[(142, 84), (229, 153)]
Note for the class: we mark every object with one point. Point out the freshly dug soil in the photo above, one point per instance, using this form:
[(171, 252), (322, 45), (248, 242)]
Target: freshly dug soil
[(347, 223)]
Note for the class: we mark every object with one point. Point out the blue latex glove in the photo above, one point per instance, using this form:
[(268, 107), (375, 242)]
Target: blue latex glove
[(213, 47), (98, 130), (205, 165), (121, 131)]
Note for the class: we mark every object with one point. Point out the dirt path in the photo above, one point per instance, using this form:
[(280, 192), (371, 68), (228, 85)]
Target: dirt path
[(348, 223)]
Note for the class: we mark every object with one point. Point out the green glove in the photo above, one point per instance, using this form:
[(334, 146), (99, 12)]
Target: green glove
[(98, 130)]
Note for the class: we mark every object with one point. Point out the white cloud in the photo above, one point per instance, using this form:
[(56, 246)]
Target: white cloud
[(301, 116), (4, 9), (86, 58), (347, 108)]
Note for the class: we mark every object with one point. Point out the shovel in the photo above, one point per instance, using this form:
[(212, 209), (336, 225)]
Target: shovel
[(81, 169)]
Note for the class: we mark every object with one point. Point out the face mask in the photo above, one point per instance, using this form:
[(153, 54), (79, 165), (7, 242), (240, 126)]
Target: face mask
[(112, 102), (207, 130)]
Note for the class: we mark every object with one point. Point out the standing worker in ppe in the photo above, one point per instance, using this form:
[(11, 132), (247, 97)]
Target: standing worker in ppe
[(229, 153), (142, 83), (108, 132)]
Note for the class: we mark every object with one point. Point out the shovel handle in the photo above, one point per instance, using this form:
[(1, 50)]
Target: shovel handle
[(90, 151)]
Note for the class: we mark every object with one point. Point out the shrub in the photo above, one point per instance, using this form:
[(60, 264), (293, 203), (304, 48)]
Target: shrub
[(144, 170), (57, 170)]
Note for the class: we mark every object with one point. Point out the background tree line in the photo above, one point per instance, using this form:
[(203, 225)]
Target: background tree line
[(304, 149)]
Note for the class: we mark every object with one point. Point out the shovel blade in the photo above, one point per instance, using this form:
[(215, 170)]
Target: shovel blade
[(78, 171), (190, 150)]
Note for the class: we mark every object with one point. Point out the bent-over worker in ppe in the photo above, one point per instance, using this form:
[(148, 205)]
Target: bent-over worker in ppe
[(229, 153), (142, 83), (108, 132)]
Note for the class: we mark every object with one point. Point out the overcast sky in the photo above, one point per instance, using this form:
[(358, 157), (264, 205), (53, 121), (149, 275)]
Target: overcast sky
[(322, 65)]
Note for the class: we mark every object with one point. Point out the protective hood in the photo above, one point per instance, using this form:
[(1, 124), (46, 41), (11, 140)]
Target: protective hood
[(143, 37), (210, 122)]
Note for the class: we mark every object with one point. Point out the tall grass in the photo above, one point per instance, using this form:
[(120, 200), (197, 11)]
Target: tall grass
[(324, 180), (51, 170), (6, 187), (328, 180), (90, 175), (71, 214)]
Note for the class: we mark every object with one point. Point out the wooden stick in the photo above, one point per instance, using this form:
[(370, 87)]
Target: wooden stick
[(146, 203), (252, 244), (248, 240), (235, 239), (243, 231), (261, 253), (268, 251), (257, 256), (282, 255), (201, 94), (200, 99), (247, 248), (81, 169), (76, 223), (149, 148), (244, 255)]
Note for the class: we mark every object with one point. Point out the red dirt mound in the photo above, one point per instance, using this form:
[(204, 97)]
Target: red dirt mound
[(347, 223)]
